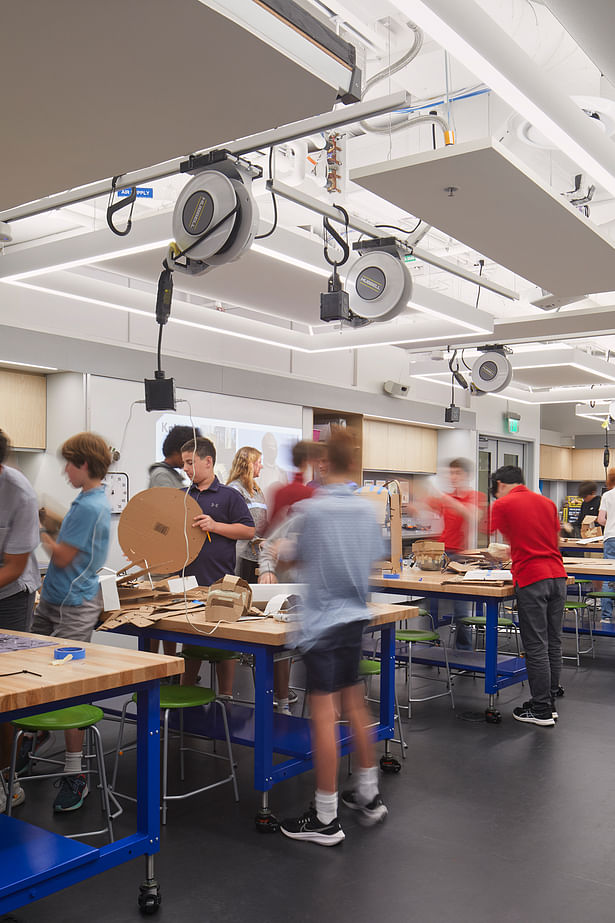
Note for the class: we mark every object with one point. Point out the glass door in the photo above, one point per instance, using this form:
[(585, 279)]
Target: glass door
[(493, 454)]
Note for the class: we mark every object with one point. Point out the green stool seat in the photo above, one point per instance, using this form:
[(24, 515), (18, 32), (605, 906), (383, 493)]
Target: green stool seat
[(213, 654), (579, 604), (184, 696), (601, 594), (369, 667), (65, 719), (481, 620), (410, 635), (583, 580)]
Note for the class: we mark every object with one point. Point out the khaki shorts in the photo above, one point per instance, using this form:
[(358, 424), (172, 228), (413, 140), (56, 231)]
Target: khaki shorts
[(76, 623)]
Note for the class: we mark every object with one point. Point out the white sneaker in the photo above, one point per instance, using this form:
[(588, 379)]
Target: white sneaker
[(19, 796)]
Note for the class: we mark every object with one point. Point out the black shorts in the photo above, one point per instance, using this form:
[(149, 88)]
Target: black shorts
[(333, 663)]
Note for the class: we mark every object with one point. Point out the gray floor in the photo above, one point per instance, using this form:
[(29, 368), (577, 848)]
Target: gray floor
[(486, 823)]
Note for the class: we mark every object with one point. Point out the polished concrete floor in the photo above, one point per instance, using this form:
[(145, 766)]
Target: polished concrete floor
[(486, 823)]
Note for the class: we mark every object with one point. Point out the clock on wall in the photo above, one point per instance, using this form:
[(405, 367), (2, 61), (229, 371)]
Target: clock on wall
[(116, 486)]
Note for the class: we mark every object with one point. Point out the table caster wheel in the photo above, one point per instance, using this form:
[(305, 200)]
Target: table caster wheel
[(149, 898), (266, 823), (389, 764), (492, 716)]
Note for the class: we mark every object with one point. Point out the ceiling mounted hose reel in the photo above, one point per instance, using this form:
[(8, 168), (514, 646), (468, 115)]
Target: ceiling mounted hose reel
[(215, 217), (378, 284), (492, 371)]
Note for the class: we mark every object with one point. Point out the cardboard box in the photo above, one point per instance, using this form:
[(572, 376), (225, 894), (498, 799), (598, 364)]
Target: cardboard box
[(228, 599)]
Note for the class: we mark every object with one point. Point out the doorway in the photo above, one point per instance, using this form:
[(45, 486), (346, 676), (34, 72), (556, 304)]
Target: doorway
[(492, 454)]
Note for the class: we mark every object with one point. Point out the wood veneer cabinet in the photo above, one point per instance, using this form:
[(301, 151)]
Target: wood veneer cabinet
[(23, 409), (556, 463), (587, 464), (399, 447)]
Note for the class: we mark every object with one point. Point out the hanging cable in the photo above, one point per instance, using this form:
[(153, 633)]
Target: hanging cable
[(273, 199), (481, 264)]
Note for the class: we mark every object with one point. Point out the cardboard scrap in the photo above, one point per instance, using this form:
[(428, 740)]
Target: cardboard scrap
[(228, 599), (156, 527)]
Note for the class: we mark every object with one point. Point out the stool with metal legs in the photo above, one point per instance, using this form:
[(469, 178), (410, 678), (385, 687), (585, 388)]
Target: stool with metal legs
[(579, 607), (81, 717), (179, 698), (412, 636), (367, 669)]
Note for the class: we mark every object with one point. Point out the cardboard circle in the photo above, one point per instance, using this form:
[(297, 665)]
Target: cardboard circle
[(151, 528)]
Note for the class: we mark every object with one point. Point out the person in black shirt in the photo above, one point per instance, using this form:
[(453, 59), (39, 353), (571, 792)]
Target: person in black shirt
[(588, 491)]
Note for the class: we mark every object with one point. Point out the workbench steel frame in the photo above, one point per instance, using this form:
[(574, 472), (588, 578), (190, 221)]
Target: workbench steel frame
[(74, 861)]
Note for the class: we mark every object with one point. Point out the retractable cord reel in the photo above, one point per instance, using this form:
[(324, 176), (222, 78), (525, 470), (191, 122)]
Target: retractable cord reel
[(215, 217), (378, 285), (492, 371)]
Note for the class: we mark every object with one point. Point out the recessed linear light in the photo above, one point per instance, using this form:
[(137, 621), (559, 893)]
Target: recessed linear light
[(27, 365), (233, 333), (291, 260), (559, 365), (84, 261), (489, 53)]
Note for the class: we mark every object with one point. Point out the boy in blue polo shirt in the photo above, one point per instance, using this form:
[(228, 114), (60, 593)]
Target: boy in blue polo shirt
[(70, 602)]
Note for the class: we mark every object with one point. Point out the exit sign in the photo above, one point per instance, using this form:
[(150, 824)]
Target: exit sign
[(511, 422)]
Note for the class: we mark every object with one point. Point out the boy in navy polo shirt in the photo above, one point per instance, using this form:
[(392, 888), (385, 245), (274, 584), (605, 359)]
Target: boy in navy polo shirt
[(531, 525), (225, 518)]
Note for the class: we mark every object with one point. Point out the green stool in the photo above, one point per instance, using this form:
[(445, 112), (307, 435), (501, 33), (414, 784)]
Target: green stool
[(84, 717), (179, 698), (579, 607), (367, 669), (479, 623), (595, 595), (412, 636)]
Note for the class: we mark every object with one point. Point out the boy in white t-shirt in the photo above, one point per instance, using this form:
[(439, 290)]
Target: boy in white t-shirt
[(606, 518)]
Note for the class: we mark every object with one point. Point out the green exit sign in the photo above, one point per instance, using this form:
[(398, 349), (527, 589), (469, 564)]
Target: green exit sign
[(511, 422), (408, 258)]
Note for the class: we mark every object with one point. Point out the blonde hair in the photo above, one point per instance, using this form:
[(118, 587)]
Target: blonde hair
[(242, 468)]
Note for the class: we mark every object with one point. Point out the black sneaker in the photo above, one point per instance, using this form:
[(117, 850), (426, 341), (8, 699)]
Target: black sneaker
[(370, 814), (309, 827), (559, 692), (35, 745), (554, 713), (528, 715), (73, 792)]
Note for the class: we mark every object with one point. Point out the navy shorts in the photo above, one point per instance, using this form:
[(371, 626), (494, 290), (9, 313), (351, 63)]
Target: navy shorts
[(333, 663)]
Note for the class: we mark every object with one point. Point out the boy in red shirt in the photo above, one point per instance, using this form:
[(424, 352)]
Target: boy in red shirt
[(531, 525), (461, 509)]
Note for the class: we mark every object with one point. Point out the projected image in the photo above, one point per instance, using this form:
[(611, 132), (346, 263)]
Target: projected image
[(275, 442)]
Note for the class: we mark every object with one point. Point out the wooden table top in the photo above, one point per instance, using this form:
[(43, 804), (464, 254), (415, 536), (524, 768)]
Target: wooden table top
[(596, 566), (573, 544), (422, 581), (268, 631), (104, 667)]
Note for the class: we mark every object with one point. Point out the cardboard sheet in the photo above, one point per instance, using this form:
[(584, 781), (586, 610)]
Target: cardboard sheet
[(154, 526)]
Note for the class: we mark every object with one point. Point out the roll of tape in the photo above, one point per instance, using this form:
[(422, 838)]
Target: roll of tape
[(75, 653)]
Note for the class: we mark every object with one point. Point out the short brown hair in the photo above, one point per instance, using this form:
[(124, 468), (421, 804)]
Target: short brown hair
[(90, 448), (463, 464), (201, 446), (610, 479), (341, 451), (5, 445), (587, 488)]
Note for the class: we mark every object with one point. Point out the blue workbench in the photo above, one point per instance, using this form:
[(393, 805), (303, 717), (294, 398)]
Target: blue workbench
[(259, 727), (35, 862)]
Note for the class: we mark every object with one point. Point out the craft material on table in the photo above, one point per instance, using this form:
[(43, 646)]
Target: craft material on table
[(21, 643), (156, 527)]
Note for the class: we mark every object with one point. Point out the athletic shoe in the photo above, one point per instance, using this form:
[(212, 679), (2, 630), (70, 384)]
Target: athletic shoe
[(37, 745), (554, 713), (528, 715), (73, 792), (292, 697), (283, 710), (309, 827), (559, 692), (370, 814), (19, 796)]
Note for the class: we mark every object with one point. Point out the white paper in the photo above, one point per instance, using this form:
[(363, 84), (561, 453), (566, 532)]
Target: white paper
[(475, 575)]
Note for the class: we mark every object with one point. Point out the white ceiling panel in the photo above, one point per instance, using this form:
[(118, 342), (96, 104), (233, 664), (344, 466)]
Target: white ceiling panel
[(99, 89), (480, 195)]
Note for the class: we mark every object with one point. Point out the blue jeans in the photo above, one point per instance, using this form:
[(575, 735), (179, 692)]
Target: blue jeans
[(607, 604)]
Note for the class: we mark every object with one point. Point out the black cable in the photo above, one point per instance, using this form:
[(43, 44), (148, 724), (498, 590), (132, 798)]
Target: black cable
[(206, 234), (273, 199), (394, 227), (469, 367), (481, 264), (160, 328)]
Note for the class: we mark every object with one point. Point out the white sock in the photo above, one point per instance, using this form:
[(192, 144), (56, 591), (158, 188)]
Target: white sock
[(72, 763), (326, 806), (367, 785)]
